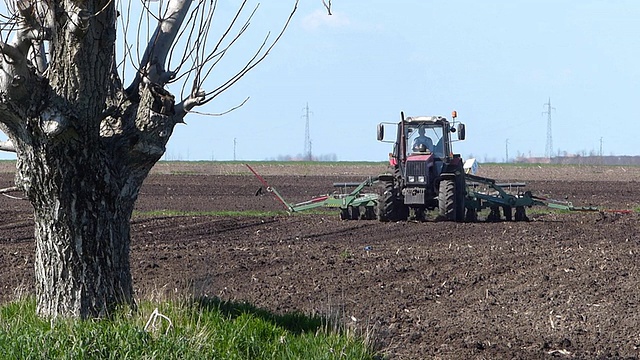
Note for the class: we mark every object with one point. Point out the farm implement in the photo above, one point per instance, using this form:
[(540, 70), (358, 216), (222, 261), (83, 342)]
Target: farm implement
[(481, 193), (353, 205), (425, 175)]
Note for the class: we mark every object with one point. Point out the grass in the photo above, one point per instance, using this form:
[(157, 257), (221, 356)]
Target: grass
[(205, 328)]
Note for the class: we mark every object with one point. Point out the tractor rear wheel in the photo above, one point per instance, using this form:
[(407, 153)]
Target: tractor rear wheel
[(447, 200)]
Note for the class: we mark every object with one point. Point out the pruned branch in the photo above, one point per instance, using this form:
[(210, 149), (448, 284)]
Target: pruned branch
[(152, 66), (7, 146)]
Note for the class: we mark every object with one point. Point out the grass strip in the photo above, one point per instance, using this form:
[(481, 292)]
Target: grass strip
[(198, 329)]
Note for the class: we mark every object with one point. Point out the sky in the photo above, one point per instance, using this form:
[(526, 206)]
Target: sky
[(497, 63)]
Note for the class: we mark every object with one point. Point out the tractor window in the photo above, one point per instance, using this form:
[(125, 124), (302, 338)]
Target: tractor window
[(424, 139)]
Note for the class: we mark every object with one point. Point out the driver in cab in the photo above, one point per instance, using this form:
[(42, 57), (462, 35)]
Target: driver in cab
[(422, 143)]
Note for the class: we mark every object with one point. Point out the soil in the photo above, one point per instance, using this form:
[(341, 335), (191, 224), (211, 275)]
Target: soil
[(563, 285)]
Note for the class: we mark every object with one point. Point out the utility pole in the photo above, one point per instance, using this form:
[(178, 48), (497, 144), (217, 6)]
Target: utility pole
[(548, 150), (506, 150), (235, 142), (601, 146), (307, 135)]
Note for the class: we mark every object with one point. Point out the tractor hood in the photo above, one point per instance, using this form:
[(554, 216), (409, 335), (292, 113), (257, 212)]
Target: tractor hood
[(419, 157)]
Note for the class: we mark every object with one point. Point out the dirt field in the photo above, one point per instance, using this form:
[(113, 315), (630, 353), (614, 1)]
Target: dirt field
[(564, 285)]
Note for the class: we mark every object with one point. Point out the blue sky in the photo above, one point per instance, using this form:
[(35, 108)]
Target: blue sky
[(496, 62)]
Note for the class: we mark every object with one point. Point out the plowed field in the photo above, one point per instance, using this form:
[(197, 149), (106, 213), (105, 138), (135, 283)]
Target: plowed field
[(564, 285)]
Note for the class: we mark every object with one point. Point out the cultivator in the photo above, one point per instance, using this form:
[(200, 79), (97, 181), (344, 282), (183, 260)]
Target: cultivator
[(481, 193)]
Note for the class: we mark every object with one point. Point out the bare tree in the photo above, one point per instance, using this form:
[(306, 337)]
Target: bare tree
[(85, 142)]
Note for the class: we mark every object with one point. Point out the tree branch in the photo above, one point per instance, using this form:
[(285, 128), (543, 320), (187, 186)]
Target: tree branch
[(152, 65), (327, 6), (199, 97)]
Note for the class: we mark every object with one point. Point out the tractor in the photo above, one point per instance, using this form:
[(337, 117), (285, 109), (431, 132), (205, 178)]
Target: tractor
[(424, 174)]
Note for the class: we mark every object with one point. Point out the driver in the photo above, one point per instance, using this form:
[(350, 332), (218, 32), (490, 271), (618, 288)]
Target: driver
[(422, 142)]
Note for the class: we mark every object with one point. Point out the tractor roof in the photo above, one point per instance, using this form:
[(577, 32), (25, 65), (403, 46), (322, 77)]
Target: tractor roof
[(425, 119)]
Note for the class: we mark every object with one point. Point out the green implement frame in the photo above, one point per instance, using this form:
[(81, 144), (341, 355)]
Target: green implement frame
[(485, 193)]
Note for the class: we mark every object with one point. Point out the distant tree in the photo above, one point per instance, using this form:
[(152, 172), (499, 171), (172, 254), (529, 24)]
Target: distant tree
[(85, 141)]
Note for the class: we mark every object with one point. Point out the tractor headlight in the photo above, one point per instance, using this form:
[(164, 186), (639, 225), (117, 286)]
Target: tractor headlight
[(421, 179), (412, 179)]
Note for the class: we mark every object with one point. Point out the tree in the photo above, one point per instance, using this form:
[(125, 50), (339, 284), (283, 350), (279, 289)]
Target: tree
[(85, 143)]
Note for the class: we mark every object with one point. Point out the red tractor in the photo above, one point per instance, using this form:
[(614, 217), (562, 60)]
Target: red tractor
[(426, 174)]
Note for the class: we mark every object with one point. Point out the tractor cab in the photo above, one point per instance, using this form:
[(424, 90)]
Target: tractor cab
[(422, 135), (425, 136)]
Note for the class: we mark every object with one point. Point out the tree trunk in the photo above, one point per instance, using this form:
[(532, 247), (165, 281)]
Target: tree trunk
[(82, 215)]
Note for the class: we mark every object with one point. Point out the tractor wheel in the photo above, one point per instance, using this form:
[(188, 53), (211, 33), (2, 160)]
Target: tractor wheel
[(386, 203), (344, 214), (390, 208), (447, 200)]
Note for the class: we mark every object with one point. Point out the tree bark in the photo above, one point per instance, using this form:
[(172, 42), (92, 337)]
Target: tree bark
[(82, 215)]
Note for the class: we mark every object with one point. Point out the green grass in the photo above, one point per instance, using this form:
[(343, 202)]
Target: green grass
[(201, 329)]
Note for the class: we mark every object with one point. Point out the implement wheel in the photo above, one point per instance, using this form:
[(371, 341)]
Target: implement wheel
[(471, 215), (353, 212), (494, 214), (369, 213), (521, 214), (507, 213)]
